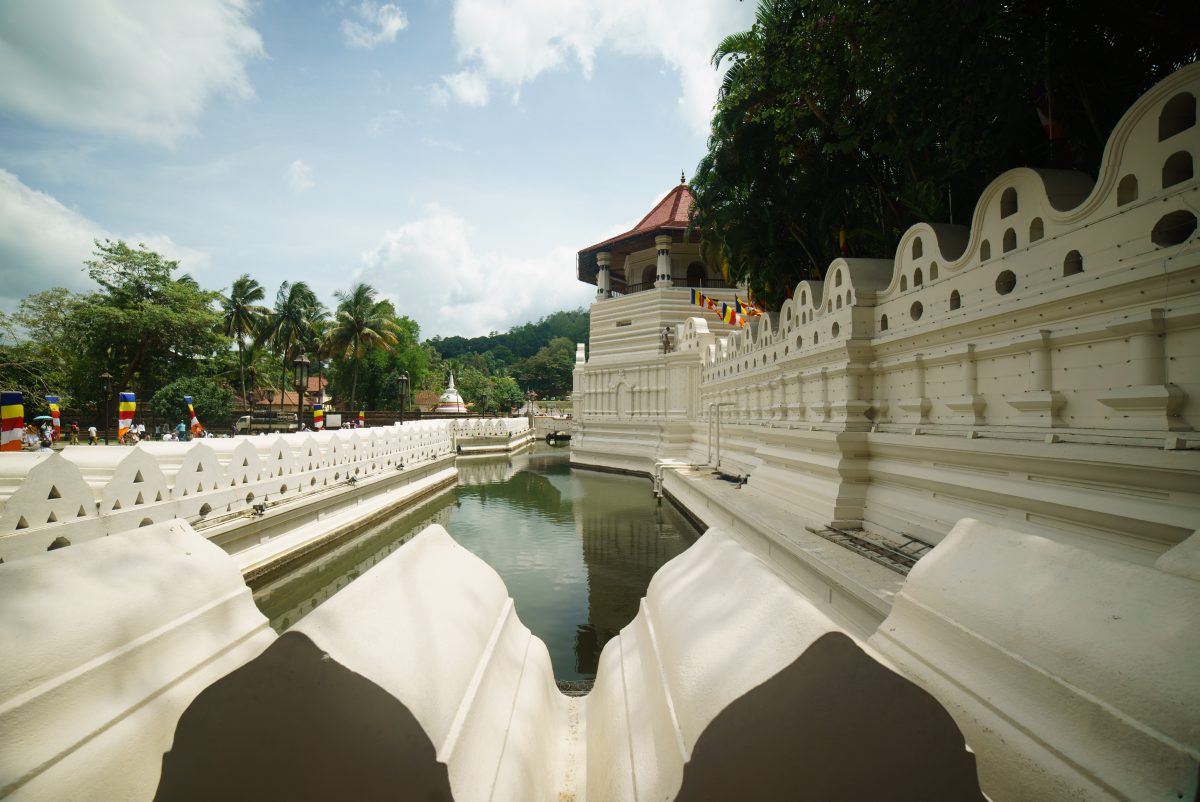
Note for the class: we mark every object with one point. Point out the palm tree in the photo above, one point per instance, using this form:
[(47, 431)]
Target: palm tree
[(361, 324), (287, 325), (243, 317)]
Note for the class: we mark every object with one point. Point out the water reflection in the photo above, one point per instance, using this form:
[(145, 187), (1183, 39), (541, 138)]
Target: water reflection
[(575, 548)]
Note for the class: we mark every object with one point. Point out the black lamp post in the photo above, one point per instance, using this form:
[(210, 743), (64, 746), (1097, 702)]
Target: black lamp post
[(402, 388), (300, 364), (106, 384)]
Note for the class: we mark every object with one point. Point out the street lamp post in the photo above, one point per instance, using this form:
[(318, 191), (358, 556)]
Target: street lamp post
[(106, 380), (402, 387), (300, 364)]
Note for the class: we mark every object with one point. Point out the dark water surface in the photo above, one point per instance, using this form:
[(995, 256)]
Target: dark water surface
[(575, 548)]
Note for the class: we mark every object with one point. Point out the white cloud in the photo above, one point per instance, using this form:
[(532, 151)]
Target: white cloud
[(467, 87), (432, 272), (43, 244), (379, 25), (138, 68), (300, 177), (539, 36)]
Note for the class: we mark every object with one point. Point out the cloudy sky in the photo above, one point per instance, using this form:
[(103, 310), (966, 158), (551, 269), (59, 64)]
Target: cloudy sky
[(453, 153)]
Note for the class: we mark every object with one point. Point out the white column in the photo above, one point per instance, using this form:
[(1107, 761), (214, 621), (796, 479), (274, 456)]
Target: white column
[(663, 270), (603, 281)]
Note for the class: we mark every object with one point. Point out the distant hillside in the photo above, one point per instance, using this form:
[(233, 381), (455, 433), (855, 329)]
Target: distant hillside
[(521, 342)]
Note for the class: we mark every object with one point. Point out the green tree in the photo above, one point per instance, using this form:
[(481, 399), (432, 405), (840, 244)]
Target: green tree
[(288, 326), (36, 353), (144, 325), (361, 324), (212, 401), (549, 372), (242, 318), (866, 118)]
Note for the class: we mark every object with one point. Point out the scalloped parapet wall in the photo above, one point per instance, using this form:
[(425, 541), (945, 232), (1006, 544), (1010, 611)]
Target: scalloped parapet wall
[(1041, 364), (86, 492)]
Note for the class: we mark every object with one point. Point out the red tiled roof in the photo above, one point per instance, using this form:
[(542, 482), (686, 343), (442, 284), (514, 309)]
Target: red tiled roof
[(671, 213)]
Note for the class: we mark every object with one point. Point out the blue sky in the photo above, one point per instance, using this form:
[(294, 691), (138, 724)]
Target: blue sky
[(453, 153)]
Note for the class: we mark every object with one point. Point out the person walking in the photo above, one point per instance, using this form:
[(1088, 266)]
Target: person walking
[(74, 433), (93, 435)]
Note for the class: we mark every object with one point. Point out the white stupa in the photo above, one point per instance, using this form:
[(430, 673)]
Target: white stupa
[(451, 401)]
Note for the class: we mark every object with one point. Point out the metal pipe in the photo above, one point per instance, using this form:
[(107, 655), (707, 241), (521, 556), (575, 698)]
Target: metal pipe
[(718, 405)]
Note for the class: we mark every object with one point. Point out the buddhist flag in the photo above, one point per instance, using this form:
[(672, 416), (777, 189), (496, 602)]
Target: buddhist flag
[(52, 400), (125, 415), (728, 313), (195, 422), (698, 298), (12, 420), (318, 417), (362, 418)]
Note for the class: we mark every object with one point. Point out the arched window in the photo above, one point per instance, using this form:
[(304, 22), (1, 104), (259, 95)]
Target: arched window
[(955, 300), (1036, 229), (837, 279), (648, 274), (1008, 202), (918, 277), (918, 250), (985, 251), (883, 323), (1127, 190), (696, 275), (1178, 114), (933, 273), (1073, 263), (1010, 240), (1177, 168), (903, 283)]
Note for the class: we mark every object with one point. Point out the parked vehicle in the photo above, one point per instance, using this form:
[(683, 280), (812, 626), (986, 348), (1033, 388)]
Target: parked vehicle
[(265, 422)]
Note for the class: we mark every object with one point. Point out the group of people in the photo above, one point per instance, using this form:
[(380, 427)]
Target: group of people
[(38, 438)]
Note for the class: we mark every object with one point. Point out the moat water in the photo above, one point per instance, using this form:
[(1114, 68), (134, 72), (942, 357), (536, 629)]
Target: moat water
[(576, 549)]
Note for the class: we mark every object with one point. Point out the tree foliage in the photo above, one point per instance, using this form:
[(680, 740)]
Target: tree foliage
[(866, 118), (212, 401)]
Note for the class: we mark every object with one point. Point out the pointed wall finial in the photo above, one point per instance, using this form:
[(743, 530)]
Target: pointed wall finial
[(682, 177)]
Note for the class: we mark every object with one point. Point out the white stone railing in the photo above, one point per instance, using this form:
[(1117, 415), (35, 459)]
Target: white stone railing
[(490, 427), (86, 492)]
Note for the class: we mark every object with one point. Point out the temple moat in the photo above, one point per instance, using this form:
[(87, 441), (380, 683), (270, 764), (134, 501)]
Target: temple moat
[(575, 548)]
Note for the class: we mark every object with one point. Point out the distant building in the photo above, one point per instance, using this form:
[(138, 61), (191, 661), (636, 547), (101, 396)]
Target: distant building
[(451, 401)]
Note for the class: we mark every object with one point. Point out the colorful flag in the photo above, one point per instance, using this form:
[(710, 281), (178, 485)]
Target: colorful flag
[(362, 418), (125, 415), (318, 417), (52, 400), (12, 420), (698, 298), (195, 422), (728, 313)]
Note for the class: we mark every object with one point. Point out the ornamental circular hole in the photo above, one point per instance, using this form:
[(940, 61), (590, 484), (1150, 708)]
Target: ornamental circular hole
[(1006, 282), (916, 310), (836, 329)]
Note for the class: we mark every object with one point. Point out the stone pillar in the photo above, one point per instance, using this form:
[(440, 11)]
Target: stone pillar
[(1039, 406), (1149, 401), (970, 404), (917, 406), (603, 280), (663, 269)]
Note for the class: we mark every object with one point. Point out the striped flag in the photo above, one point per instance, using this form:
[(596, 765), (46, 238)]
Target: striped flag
[(362, 418), (52, 400), (12, 420), (195, 422), (698, 298), (318, 417), (125, 415)]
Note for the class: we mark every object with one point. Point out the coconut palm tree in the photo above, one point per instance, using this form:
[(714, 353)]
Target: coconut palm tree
[(243, 317), (287, 325), (361, 324)]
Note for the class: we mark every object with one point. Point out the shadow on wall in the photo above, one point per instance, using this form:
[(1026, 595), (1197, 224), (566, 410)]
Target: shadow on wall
[(833, 725), (294, 724)]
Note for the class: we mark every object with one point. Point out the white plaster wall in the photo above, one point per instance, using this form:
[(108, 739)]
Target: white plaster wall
[(1073, 675), (102, 646)]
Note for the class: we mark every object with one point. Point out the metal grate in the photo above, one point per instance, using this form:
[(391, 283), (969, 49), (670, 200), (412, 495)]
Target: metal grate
[(898, 557), (575, 687)]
